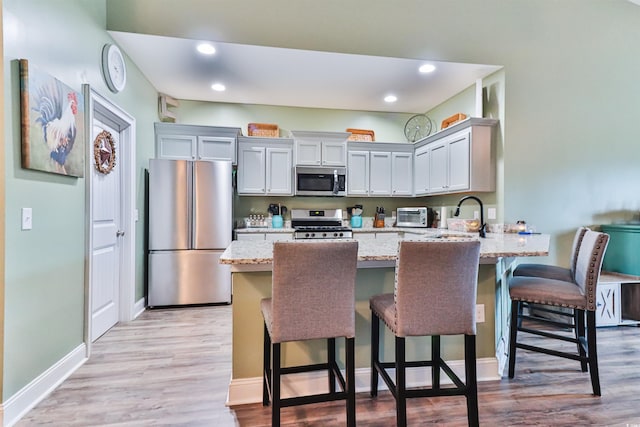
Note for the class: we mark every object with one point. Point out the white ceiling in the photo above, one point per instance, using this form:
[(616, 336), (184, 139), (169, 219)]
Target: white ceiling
[(298, 78)]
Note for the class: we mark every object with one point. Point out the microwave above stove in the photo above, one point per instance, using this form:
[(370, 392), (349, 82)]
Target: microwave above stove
[(415, 217), (320, 181)]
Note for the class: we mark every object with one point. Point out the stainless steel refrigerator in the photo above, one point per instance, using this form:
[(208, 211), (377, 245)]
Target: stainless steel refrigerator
[(190, 225)]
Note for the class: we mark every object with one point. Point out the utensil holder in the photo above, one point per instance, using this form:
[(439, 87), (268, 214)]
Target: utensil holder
[(276, 221)]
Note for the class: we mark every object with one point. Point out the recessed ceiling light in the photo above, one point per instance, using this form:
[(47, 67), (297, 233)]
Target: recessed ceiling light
[(218, 87), (390, 98), (427, 68), (206, 49)]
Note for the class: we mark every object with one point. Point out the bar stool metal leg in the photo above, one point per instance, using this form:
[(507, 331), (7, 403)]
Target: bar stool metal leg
[(435, 360), (470, 379), (593, 352), (513, 334), (266, 367), (275, 386), (350, 381), (375, 353), (401, 386)]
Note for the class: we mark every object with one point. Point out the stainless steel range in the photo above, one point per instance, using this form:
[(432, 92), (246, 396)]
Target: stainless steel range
[(319, 224)]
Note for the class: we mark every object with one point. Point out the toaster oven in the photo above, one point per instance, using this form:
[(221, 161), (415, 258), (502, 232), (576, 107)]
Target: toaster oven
[(414, 217)]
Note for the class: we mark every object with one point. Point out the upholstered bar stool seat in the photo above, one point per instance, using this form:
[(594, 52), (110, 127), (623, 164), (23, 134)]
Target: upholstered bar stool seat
[(313, 297), (554, 271), (435, 294), (578, 295)]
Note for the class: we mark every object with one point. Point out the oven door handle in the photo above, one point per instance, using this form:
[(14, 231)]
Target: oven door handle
[(335, 181)]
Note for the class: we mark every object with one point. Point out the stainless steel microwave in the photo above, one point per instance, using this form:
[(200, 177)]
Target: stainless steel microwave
[(414, 217), (320, 181)]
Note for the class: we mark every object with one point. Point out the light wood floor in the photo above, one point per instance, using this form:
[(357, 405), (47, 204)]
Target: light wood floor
[(172, 367)]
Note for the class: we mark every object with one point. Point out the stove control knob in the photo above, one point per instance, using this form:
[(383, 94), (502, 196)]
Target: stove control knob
[(341, 234), (306, 234), (324, 234), (335, 234)]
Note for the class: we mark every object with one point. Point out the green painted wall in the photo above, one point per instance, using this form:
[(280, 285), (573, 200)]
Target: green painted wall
[(571, 91), (388, 127), (44, 286)]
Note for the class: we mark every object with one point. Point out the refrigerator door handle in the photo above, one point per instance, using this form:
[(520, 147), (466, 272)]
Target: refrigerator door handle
[(191, 201)]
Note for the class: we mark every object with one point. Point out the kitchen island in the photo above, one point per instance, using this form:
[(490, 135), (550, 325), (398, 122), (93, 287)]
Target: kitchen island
[(251, 263)]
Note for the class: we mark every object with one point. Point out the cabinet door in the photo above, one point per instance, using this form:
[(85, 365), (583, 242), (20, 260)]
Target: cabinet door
[(308, 152), (278, 237), (216, 148), (279, 170), (421, 171), (358, 173), (250, 236), (401, 174), (251, 170), (608, 304), (380, 173), (176, 147), (459, 153), (438, 168), (364, 236), (334, 153)]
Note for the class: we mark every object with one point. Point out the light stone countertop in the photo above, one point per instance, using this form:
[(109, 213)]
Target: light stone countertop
[(384, 251)]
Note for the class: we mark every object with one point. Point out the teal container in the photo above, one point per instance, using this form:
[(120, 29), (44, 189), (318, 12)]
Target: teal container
[(276, 221), (356, 221), (623, 251)]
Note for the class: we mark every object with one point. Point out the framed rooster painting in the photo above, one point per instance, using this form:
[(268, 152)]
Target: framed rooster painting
[(52, 123)]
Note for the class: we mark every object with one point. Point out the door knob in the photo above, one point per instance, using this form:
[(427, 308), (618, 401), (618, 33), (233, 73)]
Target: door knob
[(119, 233)]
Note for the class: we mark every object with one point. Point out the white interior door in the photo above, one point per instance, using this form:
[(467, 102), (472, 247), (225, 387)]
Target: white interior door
[(107, 234)]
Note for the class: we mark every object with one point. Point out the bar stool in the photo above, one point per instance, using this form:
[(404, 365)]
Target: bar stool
[(559, 273), (578, 295), (435, 294), (554, 271), (313, 297)]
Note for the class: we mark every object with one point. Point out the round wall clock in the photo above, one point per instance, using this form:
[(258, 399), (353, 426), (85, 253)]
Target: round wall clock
[(417, 127), (114, 69)]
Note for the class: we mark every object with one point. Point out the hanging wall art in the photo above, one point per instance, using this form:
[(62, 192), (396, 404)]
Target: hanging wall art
[(52, 123)]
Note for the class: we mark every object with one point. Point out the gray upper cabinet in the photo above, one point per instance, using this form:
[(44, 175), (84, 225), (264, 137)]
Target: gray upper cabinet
[(379, 169), (458, 159), (320, 148), (265, 166), (191, 142)]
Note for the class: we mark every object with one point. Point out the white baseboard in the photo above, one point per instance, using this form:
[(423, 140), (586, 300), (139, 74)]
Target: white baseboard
[(249, 390), (139, 307), (30, 395)]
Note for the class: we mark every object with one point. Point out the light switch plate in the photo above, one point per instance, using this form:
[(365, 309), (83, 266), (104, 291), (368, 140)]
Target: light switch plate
[(27, 218), (491, 213)]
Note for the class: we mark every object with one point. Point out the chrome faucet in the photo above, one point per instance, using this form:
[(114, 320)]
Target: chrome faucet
[(482, 224)]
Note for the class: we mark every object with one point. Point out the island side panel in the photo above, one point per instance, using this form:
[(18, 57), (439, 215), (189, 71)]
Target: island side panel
[(250, 287)]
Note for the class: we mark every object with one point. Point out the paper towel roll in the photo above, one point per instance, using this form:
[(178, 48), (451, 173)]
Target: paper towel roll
[(444, 214)]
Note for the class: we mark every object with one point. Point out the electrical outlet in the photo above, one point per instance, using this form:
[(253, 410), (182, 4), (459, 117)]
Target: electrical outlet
[(476, 214), (491, 213), (479, 313)]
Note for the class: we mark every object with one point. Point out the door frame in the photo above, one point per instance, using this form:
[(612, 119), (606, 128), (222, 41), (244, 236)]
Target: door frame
[(109, 112)]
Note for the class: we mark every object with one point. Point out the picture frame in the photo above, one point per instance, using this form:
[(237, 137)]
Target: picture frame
[(51, 123)]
